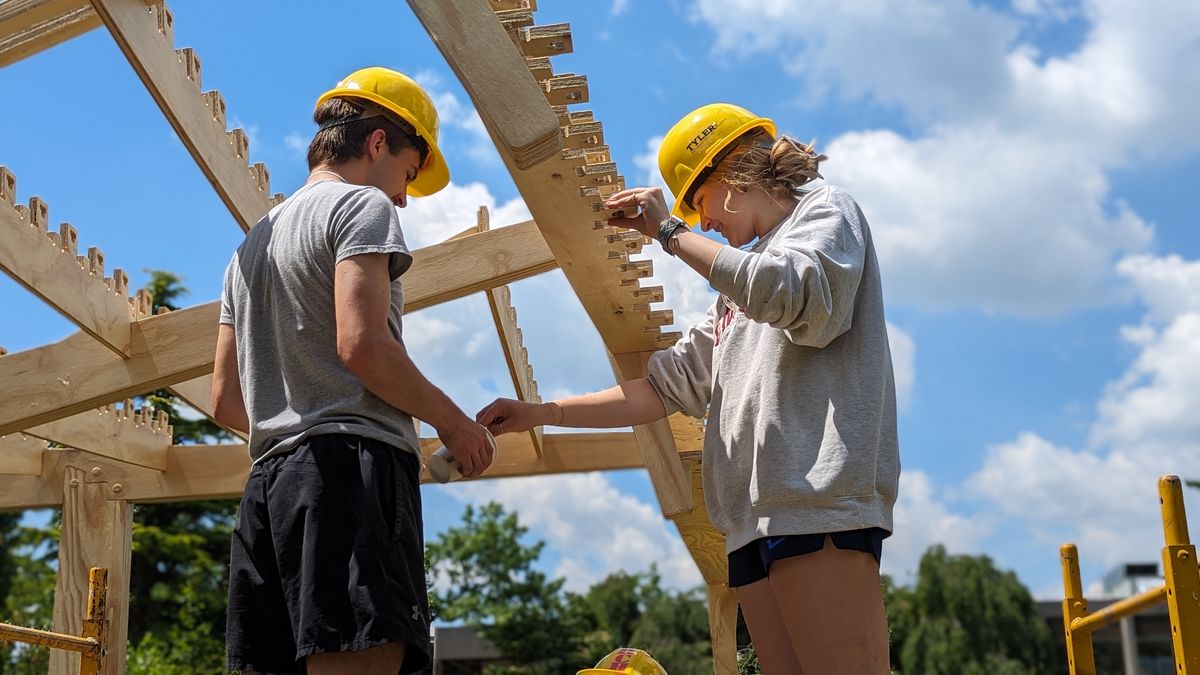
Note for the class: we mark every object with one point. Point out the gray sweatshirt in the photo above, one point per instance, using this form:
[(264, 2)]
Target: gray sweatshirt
[(793, 369)]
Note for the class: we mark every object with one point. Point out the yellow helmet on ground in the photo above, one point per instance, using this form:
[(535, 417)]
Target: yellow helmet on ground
[(626, 661), (399, 94), (694, 146)]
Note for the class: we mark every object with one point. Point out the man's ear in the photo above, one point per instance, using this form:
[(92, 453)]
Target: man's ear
[(376, 144)]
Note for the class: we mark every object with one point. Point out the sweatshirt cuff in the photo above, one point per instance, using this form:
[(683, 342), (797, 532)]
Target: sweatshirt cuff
[(723, 274)]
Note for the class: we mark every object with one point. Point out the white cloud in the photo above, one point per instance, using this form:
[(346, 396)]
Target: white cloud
[(904, 364), (1000, 199), (453, 113), (297, 143), (965, 217), (921, 520), (595, 528), (619, 7), (1103, 497), (429, 220)]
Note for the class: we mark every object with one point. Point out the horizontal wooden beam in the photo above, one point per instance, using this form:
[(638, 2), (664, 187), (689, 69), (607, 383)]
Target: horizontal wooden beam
[(145, 33), (138, 436), (77, 374), (30, 26), (219, 471), (21, 455), (464, 265), (48, 264)]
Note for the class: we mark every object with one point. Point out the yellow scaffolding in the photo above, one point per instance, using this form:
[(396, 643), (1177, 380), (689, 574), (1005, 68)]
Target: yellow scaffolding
[(1181, 592), (91, 645)]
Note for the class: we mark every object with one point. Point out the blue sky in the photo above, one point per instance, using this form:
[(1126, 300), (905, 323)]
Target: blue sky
[(1026, 168)]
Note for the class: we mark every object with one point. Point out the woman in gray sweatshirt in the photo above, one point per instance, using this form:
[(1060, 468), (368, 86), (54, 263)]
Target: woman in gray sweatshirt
[(792, 369)]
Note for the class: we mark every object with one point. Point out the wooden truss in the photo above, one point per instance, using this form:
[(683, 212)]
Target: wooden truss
[(70, 436)]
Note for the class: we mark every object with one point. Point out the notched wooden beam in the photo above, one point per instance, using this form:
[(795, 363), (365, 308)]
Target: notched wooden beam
[(31, 26), (49, 265), (145, 32), (138, 436)]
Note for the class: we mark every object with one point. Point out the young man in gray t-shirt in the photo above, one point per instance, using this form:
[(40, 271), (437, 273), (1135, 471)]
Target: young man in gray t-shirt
[(326, 570)]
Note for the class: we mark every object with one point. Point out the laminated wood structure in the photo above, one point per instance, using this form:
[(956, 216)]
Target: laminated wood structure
[(64, 440)]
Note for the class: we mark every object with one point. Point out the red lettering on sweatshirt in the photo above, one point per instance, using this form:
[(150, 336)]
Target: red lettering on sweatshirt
[(722, 324)]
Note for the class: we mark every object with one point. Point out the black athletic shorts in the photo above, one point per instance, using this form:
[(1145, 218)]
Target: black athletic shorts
[(328, 556), (751, 562)]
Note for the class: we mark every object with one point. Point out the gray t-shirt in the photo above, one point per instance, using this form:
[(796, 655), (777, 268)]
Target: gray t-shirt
[(278, 296)]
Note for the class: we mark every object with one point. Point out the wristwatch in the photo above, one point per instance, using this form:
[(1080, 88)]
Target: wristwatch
[(668, 229)]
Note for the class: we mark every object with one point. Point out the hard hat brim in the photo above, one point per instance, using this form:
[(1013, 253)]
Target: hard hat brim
[(687, 213), (435, 173)]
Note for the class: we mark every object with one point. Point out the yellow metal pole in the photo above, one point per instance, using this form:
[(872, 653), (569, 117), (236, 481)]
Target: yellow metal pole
[(1183, 577), (95, 623), (1120, 609), (1080, 658), (45, 638)]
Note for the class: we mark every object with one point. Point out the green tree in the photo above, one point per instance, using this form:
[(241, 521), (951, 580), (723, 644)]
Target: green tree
[(179, 568), (965, 617), (491, 585), (634, 610)]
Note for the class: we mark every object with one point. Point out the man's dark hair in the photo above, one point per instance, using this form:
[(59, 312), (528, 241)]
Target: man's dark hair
[(345, 134)]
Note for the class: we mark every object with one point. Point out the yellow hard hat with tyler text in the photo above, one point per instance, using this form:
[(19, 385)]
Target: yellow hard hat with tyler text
[(626, 661), (399, 94), (693, 146)]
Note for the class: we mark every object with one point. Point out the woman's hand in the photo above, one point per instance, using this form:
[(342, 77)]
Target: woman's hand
[(653, 209), (506, 416)]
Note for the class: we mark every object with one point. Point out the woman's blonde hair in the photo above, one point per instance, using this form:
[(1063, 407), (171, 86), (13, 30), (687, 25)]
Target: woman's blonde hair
[(778, 167)]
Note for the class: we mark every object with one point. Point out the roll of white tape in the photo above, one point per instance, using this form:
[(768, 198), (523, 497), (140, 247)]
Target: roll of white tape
[(442, 466)]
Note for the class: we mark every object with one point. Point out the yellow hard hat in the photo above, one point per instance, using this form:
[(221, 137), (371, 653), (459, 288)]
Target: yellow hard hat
[(627, 661), (399, 94), (693, 146)]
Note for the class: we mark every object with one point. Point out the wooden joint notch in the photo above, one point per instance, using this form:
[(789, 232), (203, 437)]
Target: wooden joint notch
[(589, 135), (666, 339), (568, 117), (629, 240), (191, 64), (540, 67), (548, 40), (603, 191), (165, 20), (635, 269), (512, 343), (600, 155), (240, 144), (604, 173), (566, 89), (657, 318), (503, 5), (216, 106), (514, 20), (603, 213), (136, 435), (646, 296), (262, 177), (8, 187)]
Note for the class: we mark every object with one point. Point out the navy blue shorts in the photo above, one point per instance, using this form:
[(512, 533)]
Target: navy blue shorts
[(328, 556), (751, 562)]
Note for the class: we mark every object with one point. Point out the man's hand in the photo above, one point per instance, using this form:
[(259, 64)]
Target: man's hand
[(468, 445), (506, 416), (653, 209)]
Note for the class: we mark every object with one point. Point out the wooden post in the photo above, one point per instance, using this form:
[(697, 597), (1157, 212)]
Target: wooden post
[(96, 532), (722, 626)]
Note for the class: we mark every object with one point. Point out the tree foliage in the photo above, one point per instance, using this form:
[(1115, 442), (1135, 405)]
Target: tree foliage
[(965, 617), (489, 580)]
